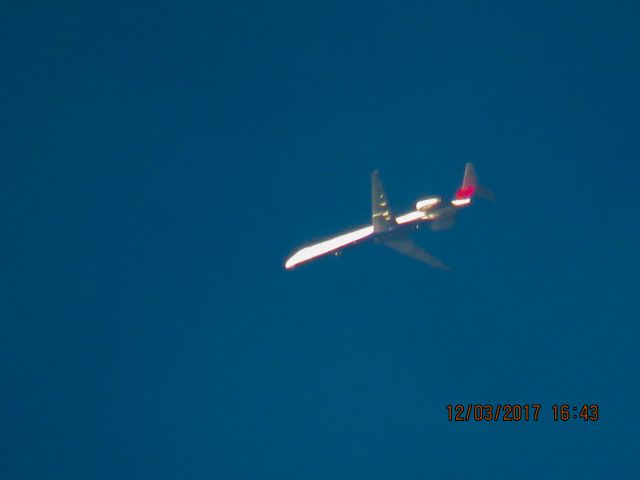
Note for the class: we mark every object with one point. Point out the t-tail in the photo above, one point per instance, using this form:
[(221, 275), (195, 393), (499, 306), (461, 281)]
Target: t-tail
[(470, 188)]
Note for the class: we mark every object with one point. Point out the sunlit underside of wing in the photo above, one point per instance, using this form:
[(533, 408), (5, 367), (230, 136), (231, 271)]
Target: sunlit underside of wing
[(328, 246), (410, 217), (407, 247)]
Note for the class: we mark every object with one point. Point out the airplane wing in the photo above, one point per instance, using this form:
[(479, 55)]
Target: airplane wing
[(381, 216), (407, 247), (443, 224), (328, 246)]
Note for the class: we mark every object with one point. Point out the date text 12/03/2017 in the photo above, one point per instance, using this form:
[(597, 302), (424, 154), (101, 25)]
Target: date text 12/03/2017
[(514, 412)]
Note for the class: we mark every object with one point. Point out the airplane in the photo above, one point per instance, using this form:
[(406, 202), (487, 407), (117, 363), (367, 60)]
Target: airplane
[(392, 231)]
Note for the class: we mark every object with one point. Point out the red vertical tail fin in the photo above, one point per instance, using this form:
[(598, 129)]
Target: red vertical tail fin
[(469, 176), (469, 183), (470, 187)]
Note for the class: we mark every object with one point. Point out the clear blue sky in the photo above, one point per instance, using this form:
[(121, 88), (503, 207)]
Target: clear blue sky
[(161, 160)]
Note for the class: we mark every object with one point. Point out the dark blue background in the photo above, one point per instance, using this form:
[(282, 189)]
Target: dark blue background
[(160, 161)]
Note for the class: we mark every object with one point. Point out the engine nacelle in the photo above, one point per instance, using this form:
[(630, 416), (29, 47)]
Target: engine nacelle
[(427, 203)]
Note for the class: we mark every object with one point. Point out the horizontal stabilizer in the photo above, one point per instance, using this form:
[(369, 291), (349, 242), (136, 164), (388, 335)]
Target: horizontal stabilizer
[(485, 193)]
